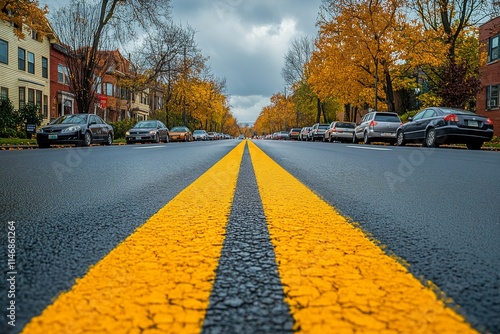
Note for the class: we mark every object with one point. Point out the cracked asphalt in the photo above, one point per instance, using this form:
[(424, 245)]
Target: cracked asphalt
[(247, 296)]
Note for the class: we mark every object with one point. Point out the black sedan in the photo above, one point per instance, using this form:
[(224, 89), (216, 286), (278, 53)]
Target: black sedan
[(148, 131), (435, 126), (76, 129)]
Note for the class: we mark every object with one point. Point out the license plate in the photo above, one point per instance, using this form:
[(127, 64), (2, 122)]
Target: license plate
[(137, 138), (52, 136), (473, 123)]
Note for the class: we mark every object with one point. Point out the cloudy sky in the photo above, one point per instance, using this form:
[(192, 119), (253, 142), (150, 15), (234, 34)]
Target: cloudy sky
[(246, 41)]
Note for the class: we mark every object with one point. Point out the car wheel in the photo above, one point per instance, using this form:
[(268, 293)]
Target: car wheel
[(366, 139), (167, 139), (430, 138), (354, 139), (401, 138), (157, 138), (474, 145), (110, 139), (87, 139)]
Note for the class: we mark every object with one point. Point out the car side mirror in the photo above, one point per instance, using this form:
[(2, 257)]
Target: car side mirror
[(410, 119)]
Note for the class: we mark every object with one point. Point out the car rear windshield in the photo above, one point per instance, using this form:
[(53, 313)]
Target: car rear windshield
[(345, 125), (323, 126), (457, 111), (387, 118)]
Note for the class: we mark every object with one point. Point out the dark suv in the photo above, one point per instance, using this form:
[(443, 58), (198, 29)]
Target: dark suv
[(377, 126)]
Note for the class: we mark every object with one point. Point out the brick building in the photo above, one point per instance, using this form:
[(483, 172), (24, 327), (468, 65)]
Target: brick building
[(62, 100), (488, 99)]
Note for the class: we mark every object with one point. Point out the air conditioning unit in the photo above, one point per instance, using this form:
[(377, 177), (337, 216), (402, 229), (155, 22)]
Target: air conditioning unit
[(493, 103)]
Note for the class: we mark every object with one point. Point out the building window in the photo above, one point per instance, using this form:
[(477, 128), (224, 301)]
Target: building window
[(34, 34), (22, 96), (108, 88), (45, 67), (4, 51), (62, 74), (4, 93), (98, 87), (45, 106), (31, 95), (21, 59), (493, 49), (31, 63), (492, 96), (39, 99)]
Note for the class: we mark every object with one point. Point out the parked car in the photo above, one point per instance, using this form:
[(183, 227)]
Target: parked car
[(181, 133), (152, 131), (304, 132), (294, 133), (317, 131), (339, 131), (377, 126), (437, 125), (211, 135), (281, 135), (200, 135), (75, 129), (241, 136)]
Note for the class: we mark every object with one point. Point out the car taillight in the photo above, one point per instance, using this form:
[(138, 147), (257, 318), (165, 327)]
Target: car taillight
[(451, 118), (489, 121), (373, 123)]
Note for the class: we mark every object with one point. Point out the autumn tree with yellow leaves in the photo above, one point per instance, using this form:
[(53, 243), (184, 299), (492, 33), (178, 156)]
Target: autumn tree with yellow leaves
[(25, 13), (359, 50)]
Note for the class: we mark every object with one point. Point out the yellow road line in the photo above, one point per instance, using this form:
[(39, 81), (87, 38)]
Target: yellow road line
[(161, 276), (336, 280)]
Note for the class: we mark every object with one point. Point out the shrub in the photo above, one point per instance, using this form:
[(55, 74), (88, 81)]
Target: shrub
[(122, 126), (8, 118)]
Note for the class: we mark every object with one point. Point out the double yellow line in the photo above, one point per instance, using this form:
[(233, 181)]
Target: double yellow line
[(335, 279)]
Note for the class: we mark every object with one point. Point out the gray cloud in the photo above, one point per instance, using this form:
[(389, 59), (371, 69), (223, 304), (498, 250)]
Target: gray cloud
[(246, 42)]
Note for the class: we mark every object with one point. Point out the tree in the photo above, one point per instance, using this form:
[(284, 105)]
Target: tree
[(363, 41), (25, 13), (86, 27)]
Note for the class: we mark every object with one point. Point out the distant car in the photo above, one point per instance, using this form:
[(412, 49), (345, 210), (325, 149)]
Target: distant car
[(147, 131), (211, 135), (75, 129), (304, 132), (181, 133), (339, 131), (200, 135), (317, 131), (241, 136), (281, 135), (294, 133), (377, 126), (435, 126)]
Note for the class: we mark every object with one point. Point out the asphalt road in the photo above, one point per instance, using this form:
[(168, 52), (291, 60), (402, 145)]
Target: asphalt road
[(437, 209)]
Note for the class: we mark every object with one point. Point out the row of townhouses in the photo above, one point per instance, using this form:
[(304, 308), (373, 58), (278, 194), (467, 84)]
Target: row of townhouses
[(34, 70)]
